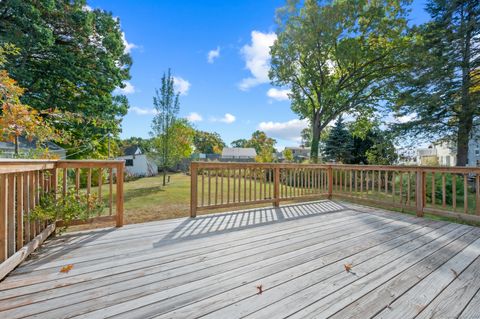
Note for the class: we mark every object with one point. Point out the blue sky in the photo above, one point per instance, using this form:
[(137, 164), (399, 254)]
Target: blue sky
[(227, 93)]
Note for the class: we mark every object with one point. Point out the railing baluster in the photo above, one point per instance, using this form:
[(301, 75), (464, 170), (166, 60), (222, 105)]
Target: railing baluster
[(465, 193), (19, 223), (454, 192), (433, 189), (444, 191), (209, 194), (216, 186), (3, 218), (228, 186), (11, 214), (26, 209), (110, 195)]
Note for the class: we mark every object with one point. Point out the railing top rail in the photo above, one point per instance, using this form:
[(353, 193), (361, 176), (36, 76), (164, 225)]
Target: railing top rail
[(25, 165)]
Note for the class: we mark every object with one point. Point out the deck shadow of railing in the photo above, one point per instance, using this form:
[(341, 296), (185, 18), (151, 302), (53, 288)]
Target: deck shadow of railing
[(208, 225)]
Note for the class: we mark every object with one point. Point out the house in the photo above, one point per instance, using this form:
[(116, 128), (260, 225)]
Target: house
[(442, 153), (239, 153), (28, 148), (137, 163), (299, 153)]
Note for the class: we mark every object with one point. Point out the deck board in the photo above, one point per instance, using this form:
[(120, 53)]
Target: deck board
[(210, 267)]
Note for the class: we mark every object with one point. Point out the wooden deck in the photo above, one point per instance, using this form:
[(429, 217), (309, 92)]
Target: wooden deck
[(211, 267)]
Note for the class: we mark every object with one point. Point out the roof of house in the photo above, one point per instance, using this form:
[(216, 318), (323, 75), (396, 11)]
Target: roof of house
[(132, 150), (25, 144), (238, 152)]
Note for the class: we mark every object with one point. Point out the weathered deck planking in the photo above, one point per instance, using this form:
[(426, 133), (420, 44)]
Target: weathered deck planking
[(403, 267)]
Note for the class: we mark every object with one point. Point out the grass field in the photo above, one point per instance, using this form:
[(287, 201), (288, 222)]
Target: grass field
[(146, 199)]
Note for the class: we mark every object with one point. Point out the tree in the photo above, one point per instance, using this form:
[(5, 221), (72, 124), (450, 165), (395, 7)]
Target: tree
[(17, 119), (239, 143), (72, 59), (208, 143), (288, 155), (260, 142), (382, 152), (338, 145), (144, 143), (179, 143), (338, 57), (167, 105), (306, 136), (439, 92)]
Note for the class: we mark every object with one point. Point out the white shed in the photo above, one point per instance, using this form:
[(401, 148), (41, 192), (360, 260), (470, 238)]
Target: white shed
[(137, 163)]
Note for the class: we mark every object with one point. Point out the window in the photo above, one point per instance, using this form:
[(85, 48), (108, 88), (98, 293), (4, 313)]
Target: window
[(129, 162)]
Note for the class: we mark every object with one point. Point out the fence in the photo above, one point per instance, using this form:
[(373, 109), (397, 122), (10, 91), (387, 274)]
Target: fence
[(22, 185), (444, 191)]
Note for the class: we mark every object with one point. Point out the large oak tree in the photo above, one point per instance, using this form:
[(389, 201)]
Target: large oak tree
[(337, 57)]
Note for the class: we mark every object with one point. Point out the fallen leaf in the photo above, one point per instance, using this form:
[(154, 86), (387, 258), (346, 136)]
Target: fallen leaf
[(66, 269), (454, 272), (259, 289), (348, 267)]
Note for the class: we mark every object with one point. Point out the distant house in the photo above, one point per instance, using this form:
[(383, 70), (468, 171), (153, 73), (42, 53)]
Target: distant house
[(443, 154), (299, 153), (26, 147), (137, 163), (238, 153)]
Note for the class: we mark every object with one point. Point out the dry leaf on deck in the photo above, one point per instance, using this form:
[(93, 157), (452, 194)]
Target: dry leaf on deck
[(66, 269), (348, 267), (259, 289)]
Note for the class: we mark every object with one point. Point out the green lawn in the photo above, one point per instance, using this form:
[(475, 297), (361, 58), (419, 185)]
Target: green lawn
[(146, 199)]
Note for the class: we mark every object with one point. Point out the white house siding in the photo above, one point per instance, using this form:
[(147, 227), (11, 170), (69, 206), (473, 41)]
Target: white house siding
[(142, 165)]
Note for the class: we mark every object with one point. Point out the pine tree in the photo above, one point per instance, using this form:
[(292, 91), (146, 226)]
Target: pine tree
[(338, 146), (439, 88)]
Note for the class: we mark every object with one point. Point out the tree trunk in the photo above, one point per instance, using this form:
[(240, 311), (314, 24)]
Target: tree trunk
[(164, 176), (16, 146), (315, 141), (466, 116), (464, 129)]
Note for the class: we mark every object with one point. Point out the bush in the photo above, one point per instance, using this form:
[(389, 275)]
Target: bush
[(69, 208)]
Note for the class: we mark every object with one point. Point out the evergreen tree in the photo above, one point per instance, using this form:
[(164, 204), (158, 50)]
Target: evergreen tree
[(439, 91), (338, 146)]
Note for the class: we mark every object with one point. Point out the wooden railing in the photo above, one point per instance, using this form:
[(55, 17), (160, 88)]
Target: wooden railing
[(24, 182), (444, 191)]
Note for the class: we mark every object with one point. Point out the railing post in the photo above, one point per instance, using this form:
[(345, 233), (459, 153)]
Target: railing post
[(120, 194), (420, 192), (276, 186), (193, 190), (330, 181)]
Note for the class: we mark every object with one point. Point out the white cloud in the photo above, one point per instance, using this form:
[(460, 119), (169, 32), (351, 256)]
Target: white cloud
[(227, 118), (257, 59), (142, 111), (289, 130), (278, 94), (128, 89), (194, 117), (87, 8), (213, 54), (128, 46), (181, 85)]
